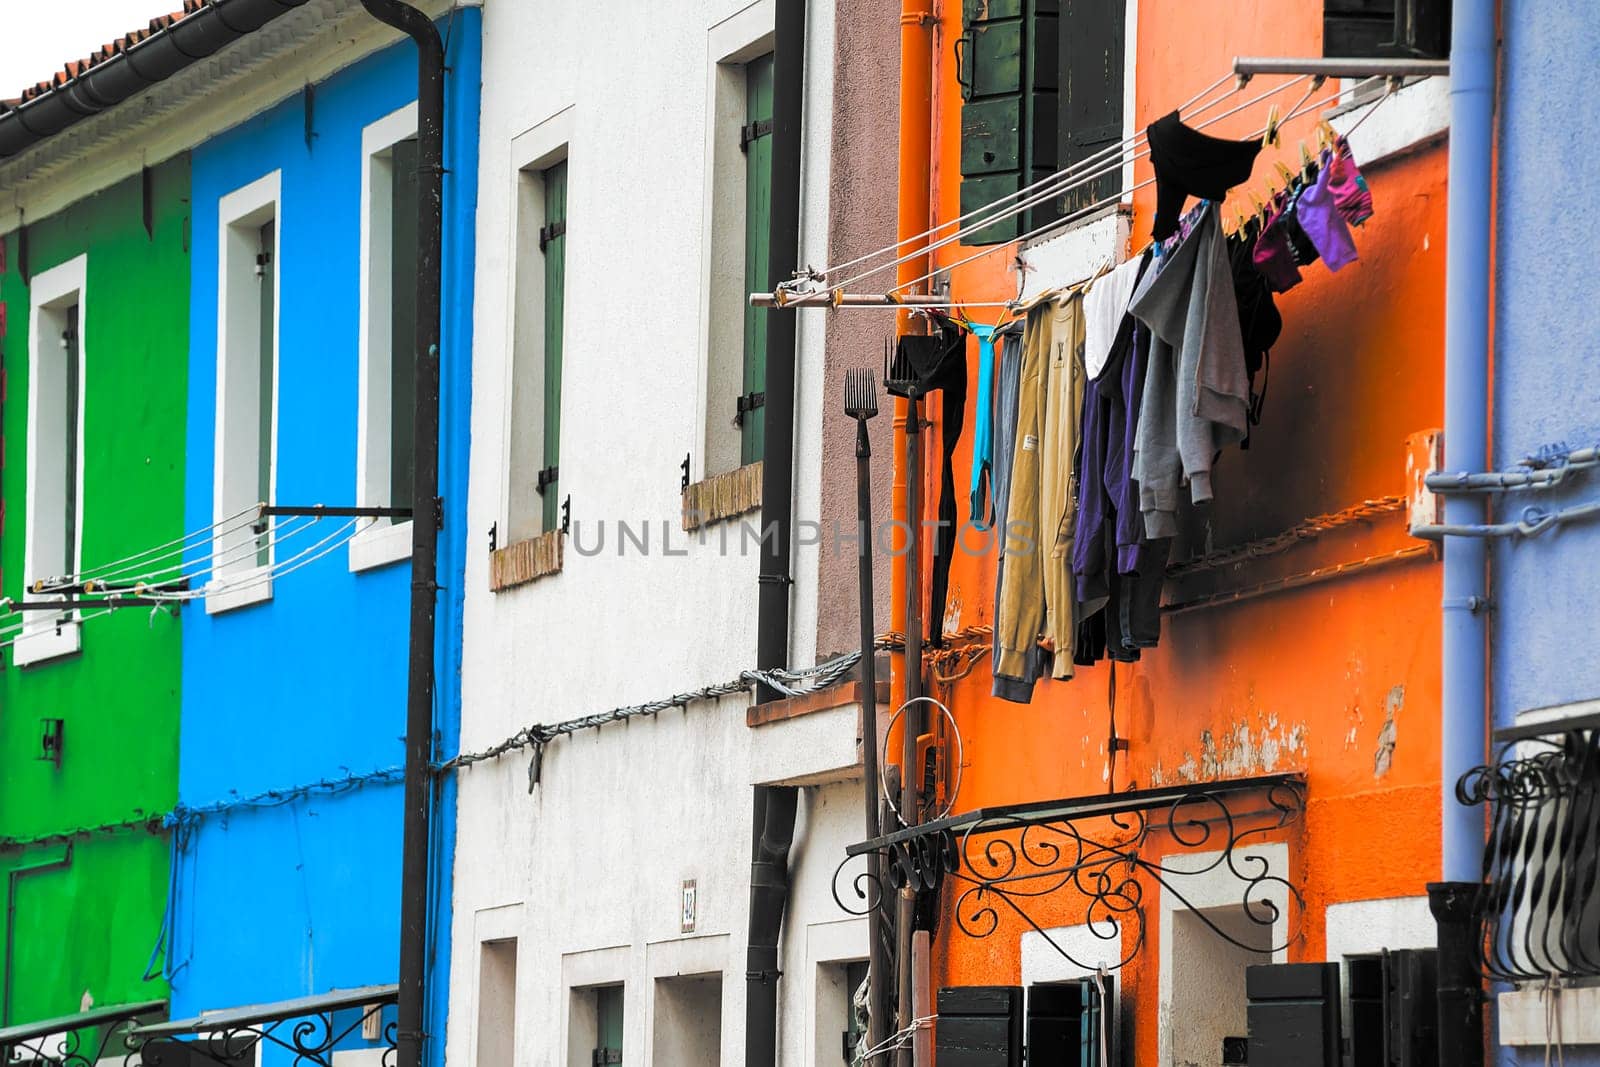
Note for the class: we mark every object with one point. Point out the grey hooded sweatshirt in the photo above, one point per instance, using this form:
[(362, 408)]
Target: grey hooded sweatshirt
[(1197, 391)]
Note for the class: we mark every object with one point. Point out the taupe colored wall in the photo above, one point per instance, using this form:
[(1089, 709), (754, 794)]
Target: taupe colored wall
[(863, 193)]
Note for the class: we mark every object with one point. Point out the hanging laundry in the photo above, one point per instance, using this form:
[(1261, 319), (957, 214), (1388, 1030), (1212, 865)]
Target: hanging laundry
[(1260, 323), (1323, 223), (983, 429), (1019, 689), (938, 361), (1350, 192), (1036, 599), (1190, 163), (1273, 256), (1197, 392), (1104, 306)]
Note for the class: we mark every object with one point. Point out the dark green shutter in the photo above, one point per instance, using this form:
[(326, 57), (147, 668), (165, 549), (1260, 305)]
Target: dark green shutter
[(553, 239), (403, 161), (608, 1025), (1092, 44), (1294, 1015), (69, 342), (756, 139), (979, 1026), (1008, 66), (1394, 1009), (1064, 1023), (267, 288)]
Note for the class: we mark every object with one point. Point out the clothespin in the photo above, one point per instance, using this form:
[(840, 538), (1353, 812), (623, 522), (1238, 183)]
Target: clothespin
[(1285, 173), (1305, 156), (1271, 136)]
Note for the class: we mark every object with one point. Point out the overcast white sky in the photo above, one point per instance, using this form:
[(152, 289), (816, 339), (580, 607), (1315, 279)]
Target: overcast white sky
[(38, 36)]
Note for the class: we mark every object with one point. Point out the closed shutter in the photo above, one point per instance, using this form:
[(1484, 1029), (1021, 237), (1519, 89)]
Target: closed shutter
[(1294, 1015), (1092, 36), (979, 1026), (756, 139), (403, 251), (1064, 1021), (553, 240), (1008, 62), (1386, 28)]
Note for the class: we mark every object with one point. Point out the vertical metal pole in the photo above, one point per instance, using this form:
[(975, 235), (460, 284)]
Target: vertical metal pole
[(910, 721), (427, 515), (1460, 989), (877, 963)]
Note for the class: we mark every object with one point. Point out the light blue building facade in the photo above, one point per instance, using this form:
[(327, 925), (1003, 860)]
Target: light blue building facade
[(286, 876), (1545, 405)]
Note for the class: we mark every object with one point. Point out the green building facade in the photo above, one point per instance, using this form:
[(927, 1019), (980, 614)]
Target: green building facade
[(83, 854)]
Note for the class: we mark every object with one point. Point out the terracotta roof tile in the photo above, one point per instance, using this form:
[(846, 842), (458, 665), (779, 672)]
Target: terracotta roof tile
[(74, 68)]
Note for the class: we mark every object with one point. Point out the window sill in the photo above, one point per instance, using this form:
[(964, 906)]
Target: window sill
[(251, 587), (722, 496), (379, 546), (44, 645), (1073, 252), (1418, 116), (526, 561)]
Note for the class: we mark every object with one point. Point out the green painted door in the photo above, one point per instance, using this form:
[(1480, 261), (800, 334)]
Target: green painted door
[(757, 141), (553, 240), (608, 1025)]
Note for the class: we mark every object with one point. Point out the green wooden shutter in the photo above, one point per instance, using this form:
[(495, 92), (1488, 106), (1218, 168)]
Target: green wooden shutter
[(404, 161), (1294, 1015), (69, 343), (266, 252), (608, 1025), (979, 1026), (1064, 1023), (1092, 36), (1008, 66), (756, 139), (553, 241)]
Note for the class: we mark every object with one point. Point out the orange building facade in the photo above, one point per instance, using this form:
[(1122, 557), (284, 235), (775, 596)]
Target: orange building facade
[(1302, 640)]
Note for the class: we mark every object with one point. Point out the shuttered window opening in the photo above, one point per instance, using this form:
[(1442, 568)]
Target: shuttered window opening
[(1069, 1024), (69, 439), (553, 245), (1394, 1018), (755, 139), (1386, 28), (1041, 84), (266, 329)]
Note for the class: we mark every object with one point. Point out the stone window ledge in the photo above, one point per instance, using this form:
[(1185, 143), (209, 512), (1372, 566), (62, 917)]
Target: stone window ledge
[(525, 561)]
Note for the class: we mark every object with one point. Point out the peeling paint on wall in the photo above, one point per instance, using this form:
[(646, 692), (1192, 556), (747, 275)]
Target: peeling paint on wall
[(1384, 757), (1240, 751)]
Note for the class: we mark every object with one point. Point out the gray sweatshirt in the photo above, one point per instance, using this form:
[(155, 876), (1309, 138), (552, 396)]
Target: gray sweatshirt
[(1196, 391)]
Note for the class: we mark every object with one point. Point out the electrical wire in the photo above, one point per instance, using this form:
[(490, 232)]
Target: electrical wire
[(193, 535)]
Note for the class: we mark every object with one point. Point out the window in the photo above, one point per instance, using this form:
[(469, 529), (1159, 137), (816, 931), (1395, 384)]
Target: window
[(537, 348), (1042, 89), (247, 380), (738, 255), (1393, 28), (388, 334), (55, 453), (497, 1003), (688, 1019)]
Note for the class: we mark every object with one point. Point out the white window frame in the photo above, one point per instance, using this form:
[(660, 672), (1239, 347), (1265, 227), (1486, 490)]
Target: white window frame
[(234, 587), (383, 541), (47, 636), (533, 151), (730, 44)]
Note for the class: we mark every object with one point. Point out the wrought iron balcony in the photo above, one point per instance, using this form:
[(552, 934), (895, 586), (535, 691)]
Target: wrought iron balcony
[(1540, 904)]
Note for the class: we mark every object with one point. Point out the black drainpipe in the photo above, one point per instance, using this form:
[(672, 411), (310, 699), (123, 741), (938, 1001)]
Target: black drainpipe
[(1460, 997), (427, 516), (774, 806)]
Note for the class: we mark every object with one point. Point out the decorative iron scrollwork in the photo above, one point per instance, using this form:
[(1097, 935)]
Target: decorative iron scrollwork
[(1539, 909), (1007, 861), (83, 1040), (311, 1038)]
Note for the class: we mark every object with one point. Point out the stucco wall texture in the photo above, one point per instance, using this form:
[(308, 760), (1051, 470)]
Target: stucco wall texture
[(88, 922), (1338, 680)]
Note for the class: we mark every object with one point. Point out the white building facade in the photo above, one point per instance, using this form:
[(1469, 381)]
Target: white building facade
[(602, 879)]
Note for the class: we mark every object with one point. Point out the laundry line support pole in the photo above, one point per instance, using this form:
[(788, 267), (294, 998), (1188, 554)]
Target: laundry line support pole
[(1250, 66)]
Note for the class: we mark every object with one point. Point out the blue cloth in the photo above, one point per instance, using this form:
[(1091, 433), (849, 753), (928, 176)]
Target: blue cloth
[(983, 431)]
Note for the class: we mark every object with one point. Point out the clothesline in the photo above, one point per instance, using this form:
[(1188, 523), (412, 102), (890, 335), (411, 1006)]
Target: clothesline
[(789, 295)]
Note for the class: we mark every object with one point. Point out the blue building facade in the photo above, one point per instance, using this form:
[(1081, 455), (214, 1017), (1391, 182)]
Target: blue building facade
[(287, 855), (1545, 399)]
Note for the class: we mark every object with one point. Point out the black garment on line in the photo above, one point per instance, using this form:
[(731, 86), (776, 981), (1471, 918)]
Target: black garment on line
[(939, 361), (1260, 322), (1191, 163)]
